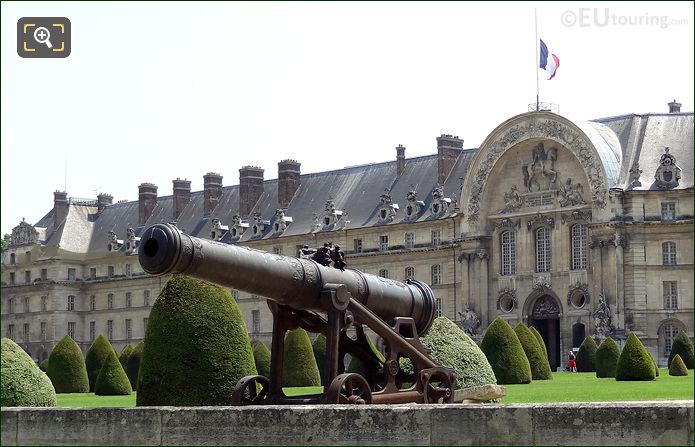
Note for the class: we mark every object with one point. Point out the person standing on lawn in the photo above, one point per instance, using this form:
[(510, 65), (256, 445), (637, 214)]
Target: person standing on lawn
[(572, 362)]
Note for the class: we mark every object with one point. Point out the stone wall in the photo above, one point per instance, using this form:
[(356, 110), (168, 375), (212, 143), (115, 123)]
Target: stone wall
[(625, 423)]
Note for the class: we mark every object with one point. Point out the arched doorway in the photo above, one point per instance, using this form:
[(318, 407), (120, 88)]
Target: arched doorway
[(545, 317)]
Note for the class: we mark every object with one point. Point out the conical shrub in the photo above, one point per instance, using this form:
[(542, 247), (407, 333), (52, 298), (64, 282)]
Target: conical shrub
[(634, 362), (196, 346), (586, 357), (319, 348), (505, 354), (300, 367), (540, 368), (22, 383), (677, 367), (133, 367), (112, 380), (43, 366), (356, 366), (541, 342), (684, 347), (97, 354), (66, 368), (261, 356), (607, 356), (125, 353), (656, 367)]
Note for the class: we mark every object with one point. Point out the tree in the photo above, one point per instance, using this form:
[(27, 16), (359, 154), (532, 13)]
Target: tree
[(586, 357), (540, 367), (677, 367), (684, 347), (133, 367), (300, 367), (112, 380), (634, 362), (97, 354), (261, 356), (196, 346), (505, 354), (22, 383), (607, 356), (125, 353), (66, 367)]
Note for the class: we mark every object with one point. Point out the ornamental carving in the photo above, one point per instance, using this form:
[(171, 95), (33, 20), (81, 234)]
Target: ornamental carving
[(332, 219), (540, 174), (388, 209), (470, 321), (114, 244), (218, 230), (571, 195), (578, 287), (440, 204), (512, 200), (414, 206), (545, 307), (576, 216), (539, 220), (506, 300), (539, 128), (238, 227), (507, 224), (603, 321), (541, 283), (23, 234), (131, 242), (635, 172), (280, 221), (668, 173)]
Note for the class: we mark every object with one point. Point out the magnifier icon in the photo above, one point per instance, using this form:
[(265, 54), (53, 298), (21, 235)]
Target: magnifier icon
[(42, 35)]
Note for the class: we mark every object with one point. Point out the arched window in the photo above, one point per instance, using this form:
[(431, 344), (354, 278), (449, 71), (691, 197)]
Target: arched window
[(578, 247), (543, 252), (507, 241), (410, 273), (668, 253)]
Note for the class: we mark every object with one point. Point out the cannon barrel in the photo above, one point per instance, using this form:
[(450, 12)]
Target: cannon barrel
[(294, 282)]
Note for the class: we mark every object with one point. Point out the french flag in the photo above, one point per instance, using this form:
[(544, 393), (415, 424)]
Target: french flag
[(549, 61)]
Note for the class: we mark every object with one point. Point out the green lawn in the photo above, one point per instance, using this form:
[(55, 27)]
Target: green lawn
[(565, 387)]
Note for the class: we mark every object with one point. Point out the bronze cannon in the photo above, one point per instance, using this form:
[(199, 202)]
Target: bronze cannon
[(321, 299)]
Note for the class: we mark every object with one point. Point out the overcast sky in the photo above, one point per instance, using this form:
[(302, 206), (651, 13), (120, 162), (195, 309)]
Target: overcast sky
[(152, 92)]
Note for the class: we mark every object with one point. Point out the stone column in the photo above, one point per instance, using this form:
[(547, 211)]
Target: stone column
[(474, 296), (619, 315), (484, 298), (465, 284)]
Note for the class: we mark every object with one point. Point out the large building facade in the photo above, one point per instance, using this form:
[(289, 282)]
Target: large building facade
[(576, 228)]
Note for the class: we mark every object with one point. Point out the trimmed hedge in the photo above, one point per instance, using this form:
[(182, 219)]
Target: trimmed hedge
[(196, 346), (132, 369), (656, 368), (261, 356), (355, 365), (125, 353), (541, 342), (677, 367), (505, 354), (635, 363), (97, 354), (43, 366), (540, 367), (112, 380), (319, 348), (66, 367), (586, 357), (299, 367), (684, 347), (607, 356), (22, 383)]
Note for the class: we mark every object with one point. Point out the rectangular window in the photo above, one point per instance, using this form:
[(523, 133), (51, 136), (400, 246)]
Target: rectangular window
[(11, 278), (44, 274), (25, 332), (507, 241), (26, 304), (436, 274), (72, 329), (128, 328), (43, 331), (92, 302), (256, 321), (71, 274), (146, 298), (110, 271), (10, 331), (383, 243), (109, 329), (128, 269), (277, 250), (357, 245), (27, 277), (438, 307), (543, 253), (668, 253), (44, 303), (109, 301), (10, 305), (13, 259), (670, 332), (668, 211), (436, 237), (579, 239), (409, 273), (670, 295), (92, 330), (71, 302), (93, 273), (384, 273), (128, 299), (409, 241)]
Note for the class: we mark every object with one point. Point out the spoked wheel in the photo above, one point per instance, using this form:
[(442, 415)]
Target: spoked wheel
[(349, 388), (250, 390), (436, 385)]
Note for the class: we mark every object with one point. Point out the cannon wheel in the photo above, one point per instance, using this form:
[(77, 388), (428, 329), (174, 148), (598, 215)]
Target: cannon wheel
[(349, 388), (250, 390), (437, 385)]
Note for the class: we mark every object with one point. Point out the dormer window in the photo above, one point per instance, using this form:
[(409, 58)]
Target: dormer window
[(332, 219), (326, 221), (280, 221), (435, 208), (218, 230), (234, 232), (259, 225), (238, 227), (440, 204), (388, 209), (131, 242), (668, 174), (383, 214), (414, 206), (114, 243)]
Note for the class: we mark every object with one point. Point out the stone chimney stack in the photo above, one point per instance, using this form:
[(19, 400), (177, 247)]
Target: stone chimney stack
[(60, 208), (288, 181), (103, 200), (448, 150), (400, 160), (250, 188), (147, 200), (182, 195), (212, 192), (674, 107)]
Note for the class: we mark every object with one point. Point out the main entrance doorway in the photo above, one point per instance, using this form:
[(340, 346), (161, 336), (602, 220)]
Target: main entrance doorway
[(545, 317)]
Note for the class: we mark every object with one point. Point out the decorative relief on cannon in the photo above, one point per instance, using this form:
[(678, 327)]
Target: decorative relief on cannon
[(388, 209), (414, 206), (668, 174)]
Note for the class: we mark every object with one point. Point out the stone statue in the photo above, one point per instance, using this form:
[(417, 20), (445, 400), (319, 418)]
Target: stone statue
[(512, 200), (603, 325), (541, 168), (470, 322), (570, 194)]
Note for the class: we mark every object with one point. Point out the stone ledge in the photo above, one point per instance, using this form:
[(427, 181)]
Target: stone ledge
[(604, 423)]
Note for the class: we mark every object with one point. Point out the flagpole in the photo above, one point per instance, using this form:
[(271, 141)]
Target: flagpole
[(535, 19)]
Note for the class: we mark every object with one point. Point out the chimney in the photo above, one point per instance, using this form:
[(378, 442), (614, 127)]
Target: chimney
[(182, 195), (60, 208), (250, 188), (400, 160), (674, 107), (103, 200), (288, 181), (212, 192), (147, 200), (448, 150)]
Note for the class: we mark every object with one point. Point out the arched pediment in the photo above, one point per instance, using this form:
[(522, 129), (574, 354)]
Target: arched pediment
[(539, 126)]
